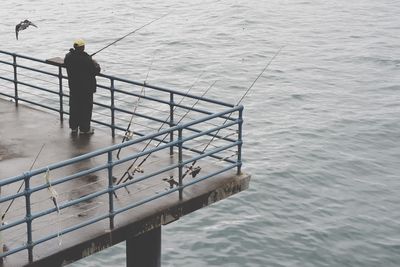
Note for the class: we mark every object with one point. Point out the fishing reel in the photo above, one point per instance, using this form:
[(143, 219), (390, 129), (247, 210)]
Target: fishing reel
[(128, 135), (171, 181), (193, 171), (137, 169)]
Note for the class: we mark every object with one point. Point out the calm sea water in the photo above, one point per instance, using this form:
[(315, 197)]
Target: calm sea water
[(322, 125)]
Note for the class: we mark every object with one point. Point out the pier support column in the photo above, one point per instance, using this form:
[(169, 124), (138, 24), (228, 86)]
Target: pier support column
[(144, 250)]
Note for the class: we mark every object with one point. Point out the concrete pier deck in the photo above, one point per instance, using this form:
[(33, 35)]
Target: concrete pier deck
[(25, 130)]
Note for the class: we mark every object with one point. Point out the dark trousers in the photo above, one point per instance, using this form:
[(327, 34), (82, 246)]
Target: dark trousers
[(80, 111)]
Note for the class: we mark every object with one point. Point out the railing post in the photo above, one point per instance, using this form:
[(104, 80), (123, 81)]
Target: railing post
[(61, 93), (112, 108), (171, 121), (239, 157), (111, 191), (15, 79), (180, 159), (28, 217)]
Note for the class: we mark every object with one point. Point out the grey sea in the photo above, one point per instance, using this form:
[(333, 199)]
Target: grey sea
[(322, 124)]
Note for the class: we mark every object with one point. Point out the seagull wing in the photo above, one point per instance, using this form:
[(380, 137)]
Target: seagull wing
[(17, 30), (31, 23)]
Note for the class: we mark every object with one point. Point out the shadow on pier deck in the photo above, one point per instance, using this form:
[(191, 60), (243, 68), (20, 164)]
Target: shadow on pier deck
[(24, 130)]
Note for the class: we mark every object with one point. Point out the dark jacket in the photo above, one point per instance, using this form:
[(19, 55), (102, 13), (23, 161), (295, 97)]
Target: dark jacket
[(82, 71)]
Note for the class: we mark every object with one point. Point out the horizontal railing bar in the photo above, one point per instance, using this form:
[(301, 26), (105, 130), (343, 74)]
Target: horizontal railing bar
[(36, 70), (204, 155), (145, 152), (213, 156), (11, 96), (37, 104), (7, 63), (12, 251), (69, 177), (215, 115), (25, 57), (104, 123), (147, 85), (142, 96), (199, 111), (140, 115), (11, 197), (70, 229), (12, 224), (124, 130), (219, 137), (37, 87), (209, 131), (7, 79), (101, 105), (70, 203)]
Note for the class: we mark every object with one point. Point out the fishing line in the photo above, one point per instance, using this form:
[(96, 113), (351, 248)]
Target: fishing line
[(128, 134), (35, 78), (269, 63), (23, 182), (126, 35), (244, 95)]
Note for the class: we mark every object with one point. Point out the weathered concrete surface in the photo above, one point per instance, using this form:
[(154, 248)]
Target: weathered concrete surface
[(23, 132)]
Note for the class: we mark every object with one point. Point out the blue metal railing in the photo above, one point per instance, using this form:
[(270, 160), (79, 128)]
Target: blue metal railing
[(208, 124), (111, 89)]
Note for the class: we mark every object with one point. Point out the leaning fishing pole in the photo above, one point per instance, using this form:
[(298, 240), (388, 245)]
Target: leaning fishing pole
[(195, 170), (20, 187), (129, 33), (137, 168), (167, 119), (128, 134)]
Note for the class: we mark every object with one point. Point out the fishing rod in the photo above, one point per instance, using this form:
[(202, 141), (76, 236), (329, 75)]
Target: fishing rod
[(128, 133), (137, 168), (19, 189), (194, 171), (126, 35), (167, 119)]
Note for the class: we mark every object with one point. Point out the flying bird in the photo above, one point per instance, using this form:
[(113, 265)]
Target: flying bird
[(22, 26)]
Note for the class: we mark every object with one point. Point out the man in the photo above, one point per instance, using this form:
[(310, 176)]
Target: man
[(82, 71)]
